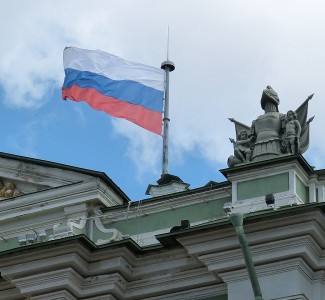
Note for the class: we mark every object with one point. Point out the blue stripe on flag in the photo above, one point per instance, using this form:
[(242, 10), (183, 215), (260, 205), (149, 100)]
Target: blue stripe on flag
[(126, 90)]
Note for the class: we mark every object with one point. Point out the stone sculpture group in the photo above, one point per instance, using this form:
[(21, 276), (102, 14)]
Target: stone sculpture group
[(272, 134)]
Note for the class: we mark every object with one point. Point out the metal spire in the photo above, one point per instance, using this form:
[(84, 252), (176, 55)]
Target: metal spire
[(168, 66)]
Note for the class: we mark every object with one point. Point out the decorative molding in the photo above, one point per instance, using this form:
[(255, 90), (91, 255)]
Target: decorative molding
[(79, 286), (169, 283), (116, 235), (195, 293), (60, 295), (65, 230)]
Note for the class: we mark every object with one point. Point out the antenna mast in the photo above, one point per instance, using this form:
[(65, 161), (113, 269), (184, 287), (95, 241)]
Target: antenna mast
[(168, 66)]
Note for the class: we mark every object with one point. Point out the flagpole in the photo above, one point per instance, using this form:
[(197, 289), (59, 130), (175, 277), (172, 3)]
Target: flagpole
[(168, 66)]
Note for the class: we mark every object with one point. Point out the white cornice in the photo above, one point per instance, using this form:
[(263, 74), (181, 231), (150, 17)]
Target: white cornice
[(60, 197)]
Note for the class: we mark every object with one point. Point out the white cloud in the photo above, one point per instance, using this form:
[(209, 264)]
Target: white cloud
[(143, 147)]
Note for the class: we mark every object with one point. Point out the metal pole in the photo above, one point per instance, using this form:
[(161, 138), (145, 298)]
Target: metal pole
[(237, 221), (168, 66)]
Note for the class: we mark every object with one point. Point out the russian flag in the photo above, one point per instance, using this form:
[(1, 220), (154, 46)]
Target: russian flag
[(121, 88)]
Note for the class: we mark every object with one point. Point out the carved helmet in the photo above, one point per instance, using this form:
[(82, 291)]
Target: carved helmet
[(270, 95)]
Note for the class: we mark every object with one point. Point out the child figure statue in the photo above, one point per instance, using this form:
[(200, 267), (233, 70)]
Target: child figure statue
[(242, 147), (292, 133)]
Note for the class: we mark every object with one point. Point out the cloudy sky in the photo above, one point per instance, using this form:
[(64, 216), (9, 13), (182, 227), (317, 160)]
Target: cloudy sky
[(225, 53)]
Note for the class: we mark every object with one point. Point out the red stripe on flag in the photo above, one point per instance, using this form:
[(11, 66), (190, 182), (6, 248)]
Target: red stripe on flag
[(147, 119)]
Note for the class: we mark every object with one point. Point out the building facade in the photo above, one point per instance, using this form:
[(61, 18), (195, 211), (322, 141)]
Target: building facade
[(70, 233)]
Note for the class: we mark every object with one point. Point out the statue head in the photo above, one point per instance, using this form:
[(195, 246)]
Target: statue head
[(291, 115), (269, 95), (242, 135)]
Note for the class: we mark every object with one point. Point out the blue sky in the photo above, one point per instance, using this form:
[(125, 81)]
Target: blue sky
[(74, 134), (225, 53)]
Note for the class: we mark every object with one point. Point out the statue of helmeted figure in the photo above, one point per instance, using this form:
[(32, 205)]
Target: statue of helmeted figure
[(272, 134), (266, 129)]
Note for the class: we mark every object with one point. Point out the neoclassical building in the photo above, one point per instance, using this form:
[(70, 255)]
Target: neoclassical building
[(71, 233), (68, 233)]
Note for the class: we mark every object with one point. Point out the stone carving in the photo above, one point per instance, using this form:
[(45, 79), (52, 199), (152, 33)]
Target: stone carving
[(243, 146), (9, 190), (292, 133), (272, 134)]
